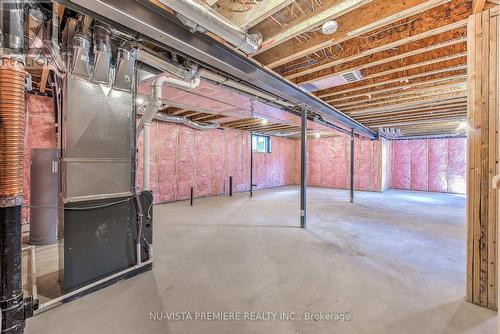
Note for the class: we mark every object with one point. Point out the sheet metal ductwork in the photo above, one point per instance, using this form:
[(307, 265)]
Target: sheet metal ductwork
[(195, 13), (147, 57), (11, 28)]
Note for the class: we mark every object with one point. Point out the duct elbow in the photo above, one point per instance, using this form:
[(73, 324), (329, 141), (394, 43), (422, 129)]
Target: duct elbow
[(252, 43)]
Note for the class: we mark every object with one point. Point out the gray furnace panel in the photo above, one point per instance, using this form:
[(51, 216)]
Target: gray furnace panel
[(97, 141)]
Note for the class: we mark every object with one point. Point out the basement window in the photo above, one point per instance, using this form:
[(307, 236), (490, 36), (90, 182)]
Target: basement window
[(261, 144)]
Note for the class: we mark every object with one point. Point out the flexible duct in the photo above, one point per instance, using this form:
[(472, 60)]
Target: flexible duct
[(210, 20), (12, 121), (12, 84), (185, 121)]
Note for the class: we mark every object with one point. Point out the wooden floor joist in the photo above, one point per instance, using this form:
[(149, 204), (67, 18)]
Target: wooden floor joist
[(404, 94), (374, 16), (433, 74), (402, 89), (319, 75)]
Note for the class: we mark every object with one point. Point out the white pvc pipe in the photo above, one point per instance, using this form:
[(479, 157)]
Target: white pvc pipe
[(146, 167), (146, 119)]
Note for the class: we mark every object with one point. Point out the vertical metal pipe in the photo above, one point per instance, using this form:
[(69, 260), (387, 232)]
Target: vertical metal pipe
[(11, 291), (13, 307), (192, 195), (146, 166), (251, 163), (230, 186), (303, 170), (351, 189)]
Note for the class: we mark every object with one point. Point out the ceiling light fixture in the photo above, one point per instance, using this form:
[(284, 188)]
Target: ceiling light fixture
[(317, 135), (330, 27)]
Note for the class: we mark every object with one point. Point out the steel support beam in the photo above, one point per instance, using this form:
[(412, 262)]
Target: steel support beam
[(147, 21), (351, 188), (303, 169), (251, 163)]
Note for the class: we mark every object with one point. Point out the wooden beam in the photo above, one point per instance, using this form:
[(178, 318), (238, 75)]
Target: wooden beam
[(434, 102), (478, 6), (404, 88), (417, 65), (371, 51), (401, 97), (177, 112), (210, 2), (210, 117), (273, 126), (424, 107), (458, 93), (452, 116), (483, 156), (304, 23), (43, 80), (356, 87), (423, 93), (411, 111), (462, 113), (368, 61), (188, 113), (241, 121), (258, 13), (377, 14)]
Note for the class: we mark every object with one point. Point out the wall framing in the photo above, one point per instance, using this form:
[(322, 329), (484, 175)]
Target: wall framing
[(482, 160)]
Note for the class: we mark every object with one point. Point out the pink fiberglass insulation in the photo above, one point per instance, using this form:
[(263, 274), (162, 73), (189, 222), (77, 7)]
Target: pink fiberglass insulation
[(40, 133), (182, 158), (457, 165), (328, 163), (437, 165), (275, 169), (419, 176), (401, 165), (386, 162)]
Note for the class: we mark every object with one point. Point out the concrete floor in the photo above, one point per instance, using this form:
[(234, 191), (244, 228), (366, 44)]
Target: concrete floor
[(395, 261)]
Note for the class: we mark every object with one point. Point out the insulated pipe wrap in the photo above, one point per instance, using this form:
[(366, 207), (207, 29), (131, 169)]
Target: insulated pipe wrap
[(12, 123)]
